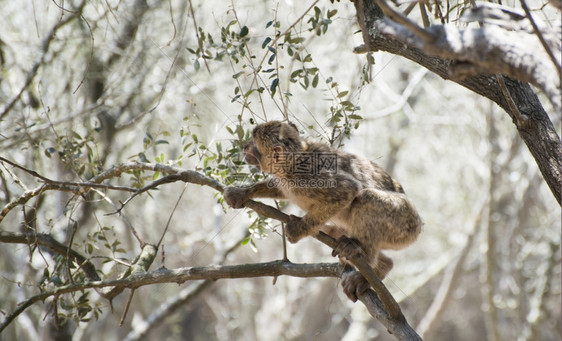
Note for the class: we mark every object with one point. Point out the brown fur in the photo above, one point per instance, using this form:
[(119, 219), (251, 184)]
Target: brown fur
[(356, 201)]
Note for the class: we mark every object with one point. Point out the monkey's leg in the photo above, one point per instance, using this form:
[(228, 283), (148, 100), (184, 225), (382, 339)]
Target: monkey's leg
[(348, 248), (323, 203), (383, 265), (353, 283)]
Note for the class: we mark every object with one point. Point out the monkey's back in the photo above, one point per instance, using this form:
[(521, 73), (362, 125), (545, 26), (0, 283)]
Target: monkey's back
[(368, 173)]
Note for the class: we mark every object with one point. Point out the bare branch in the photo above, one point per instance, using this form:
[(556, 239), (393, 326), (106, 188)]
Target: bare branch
[(180, 275), (66, 186), (402, 331)]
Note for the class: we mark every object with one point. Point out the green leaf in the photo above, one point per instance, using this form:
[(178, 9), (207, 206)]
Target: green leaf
[(249, 92), (244, 31), (274, 85), (239, 132), (297, 40), (265, 42), (315, 81), (342, 94), (317, 11), (296, 73), (271, 59)]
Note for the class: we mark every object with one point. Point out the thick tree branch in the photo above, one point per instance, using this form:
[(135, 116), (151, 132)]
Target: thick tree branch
[(180, 275), (538, 132), (488, 49)]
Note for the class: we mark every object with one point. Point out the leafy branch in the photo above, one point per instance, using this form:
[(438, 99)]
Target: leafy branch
[(381, 305)]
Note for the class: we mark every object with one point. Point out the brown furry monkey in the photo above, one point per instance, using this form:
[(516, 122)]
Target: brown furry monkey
[(344, 195)]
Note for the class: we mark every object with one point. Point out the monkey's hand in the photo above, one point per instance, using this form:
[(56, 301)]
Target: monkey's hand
[(296, 229), (348, 248), (236, 197)]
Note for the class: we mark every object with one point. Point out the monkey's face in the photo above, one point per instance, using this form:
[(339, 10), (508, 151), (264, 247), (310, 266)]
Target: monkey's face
[(251, 153), (270, 144)]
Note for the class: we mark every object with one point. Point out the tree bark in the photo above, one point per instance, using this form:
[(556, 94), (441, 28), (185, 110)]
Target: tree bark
[(527, 113)]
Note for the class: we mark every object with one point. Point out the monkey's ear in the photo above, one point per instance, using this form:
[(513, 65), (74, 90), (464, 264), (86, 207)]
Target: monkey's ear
[(294, 126), (277, 153)]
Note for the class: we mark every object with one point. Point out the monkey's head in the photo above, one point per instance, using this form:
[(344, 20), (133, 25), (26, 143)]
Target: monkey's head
[(271, 144)]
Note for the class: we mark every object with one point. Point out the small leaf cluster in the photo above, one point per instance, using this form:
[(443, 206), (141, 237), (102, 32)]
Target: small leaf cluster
[(76, 152), (318, 23), (79, 309)]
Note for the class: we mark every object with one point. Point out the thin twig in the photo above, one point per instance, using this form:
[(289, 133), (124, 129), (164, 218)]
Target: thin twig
[(127, 307), (170, 217), (86, 185), (199, 41), (521, 120)]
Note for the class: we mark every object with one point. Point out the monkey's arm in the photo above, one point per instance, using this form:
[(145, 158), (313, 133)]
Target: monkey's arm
[(236, 197)]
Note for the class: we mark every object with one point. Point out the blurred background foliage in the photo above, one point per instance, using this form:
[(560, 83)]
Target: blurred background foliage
[(86, 86)]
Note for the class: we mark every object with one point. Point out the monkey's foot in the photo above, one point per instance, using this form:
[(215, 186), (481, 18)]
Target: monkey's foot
[(354, 284), (296, 229), (347, 248)]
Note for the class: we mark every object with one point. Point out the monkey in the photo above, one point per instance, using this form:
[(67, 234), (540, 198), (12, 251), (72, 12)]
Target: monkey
[(347, 196)]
